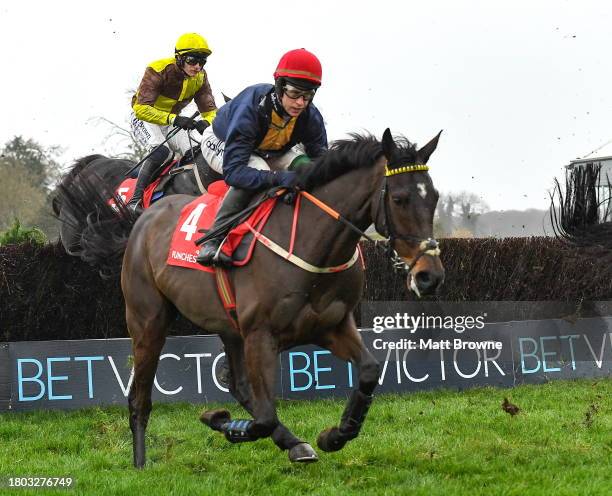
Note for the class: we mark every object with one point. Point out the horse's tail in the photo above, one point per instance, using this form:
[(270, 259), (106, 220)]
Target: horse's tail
[(68, 179), (108, 223), (582, 217)]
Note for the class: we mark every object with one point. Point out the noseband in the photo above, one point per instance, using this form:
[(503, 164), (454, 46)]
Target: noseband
[(428, 246)]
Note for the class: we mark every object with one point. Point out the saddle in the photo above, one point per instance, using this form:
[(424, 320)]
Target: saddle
[(191, 161)]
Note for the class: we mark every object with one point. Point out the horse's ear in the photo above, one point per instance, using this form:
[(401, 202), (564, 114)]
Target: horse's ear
[(425, 152), (388, 145)]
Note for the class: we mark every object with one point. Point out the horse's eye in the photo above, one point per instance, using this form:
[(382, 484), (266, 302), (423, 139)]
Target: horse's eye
[(400, 200)]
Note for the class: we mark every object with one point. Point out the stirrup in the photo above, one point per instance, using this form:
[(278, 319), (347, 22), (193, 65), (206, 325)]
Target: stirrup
[(219, 258), (135, 206)]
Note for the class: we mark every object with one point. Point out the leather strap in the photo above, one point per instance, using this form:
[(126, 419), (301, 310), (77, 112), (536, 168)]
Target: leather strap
[(295, 260), (196, 173), (226, 294)]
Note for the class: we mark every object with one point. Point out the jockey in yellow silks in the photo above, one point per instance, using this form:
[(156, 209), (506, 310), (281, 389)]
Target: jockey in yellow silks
[(167, 87)]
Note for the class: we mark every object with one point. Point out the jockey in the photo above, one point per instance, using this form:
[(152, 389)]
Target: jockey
[(168, 86), (252, 139)]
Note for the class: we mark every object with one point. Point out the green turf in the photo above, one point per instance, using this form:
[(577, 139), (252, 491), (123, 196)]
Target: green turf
[(439, 442)]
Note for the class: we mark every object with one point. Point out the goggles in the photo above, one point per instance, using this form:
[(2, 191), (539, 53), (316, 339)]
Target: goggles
[(195, 59), (294, 93)]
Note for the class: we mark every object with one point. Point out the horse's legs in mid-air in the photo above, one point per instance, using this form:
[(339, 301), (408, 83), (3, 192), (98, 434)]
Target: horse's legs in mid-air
[(148, 315), (345, 342), (260, 359), (299, 451)]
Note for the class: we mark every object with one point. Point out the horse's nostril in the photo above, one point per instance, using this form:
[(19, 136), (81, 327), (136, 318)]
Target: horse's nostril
[(423, 279)]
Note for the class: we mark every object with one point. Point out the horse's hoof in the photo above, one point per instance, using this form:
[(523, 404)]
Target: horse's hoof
[(303, 453), (215, 418), (331, 440)]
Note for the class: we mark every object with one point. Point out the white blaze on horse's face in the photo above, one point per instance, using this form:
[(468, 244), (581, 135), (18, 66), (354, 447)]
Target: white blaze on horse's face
[(422, 190), (414, 287)]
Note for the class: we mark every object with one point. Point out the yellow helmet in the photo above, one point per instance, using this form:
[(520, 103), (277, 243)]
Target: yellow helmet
[(191, 43)]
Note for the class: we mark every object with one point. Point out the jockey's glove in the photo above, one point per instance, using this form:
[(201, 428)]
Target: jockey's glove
[(286, 179), (201, 125), (290, 196), (183, 122)]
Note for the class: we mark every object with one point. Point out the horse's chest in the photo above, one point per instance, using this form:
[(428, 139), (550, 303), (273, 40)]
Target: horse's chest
[(328, 316), (311, 321)]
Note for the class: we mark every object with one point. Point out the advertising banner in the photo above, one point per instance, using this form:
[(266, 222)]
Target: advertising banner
[(413, 356)]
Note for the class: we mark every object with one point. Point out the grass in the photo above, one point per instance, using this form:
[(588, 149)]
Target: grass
[(437, 442)]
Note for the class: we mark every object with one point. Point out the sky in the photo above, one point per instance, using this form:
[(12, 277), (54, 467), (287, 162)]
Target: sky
[(519, 87)]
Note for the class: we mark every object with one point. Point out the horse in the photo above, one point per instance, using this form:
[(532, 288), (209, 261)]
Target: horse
[(111, 172), (278, 304)]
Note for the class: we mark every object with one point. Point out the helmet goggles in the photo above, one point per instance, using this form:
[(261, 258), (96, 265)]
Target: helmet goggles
[(195, 58), (294, 93)]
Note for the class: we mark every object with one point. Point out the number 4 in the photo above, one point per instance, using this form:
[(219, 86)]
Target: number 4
[(190, 226)]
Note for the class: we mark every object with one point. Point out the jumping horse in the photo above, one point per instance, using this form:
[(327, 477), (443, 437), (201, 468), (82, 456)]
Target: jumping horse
[(190, 177), (279, 304)]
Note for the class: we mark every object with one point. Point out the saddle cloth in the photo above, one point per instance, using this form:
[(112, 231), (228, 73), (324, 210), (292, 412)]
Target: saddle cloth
[(200, 214), (125, 190)]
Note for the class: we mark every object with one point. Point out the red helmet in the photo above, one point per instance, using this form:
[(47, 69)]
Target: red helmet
[(300, 64)]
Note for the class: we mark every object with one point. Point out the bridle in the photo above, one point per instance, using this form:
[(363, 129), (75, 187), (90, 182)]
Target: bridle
[(427, 246)]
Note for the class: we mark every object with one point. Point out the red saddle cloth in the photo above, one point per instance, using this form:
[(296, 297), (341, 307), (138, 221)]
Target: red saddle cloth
[(125, 190), (200, 214)]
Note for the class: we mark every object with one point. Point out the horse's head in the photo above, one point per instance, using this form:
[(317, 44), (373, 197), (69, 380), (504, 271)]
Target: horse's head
[(405, 212)]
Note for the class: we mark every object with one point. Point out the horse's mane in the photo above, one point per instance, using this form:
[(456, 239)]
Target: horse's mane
[(406, 152), (68, 178), (343, 156)]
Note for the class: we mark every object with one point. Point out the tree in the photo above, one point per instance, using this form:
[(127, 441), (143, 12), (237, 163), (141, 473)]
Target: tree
[(120, 141), (40, 162), (471, 207), (457, 213), (28, 171), (121, 138), (444, 221), (20, 196)]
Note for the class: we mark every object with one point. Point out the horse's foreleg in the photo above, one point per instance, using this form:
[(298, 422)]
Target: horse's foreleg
[(260, 350), (148, 339), (345, 343), (298, 450)]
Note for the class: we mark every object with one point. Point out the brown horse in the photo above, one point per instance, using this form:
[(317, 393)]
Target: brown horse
[(280, 305)]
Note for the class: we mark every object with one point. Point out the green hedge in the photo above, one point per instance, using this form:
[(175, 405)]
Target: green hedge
[(17, 234)]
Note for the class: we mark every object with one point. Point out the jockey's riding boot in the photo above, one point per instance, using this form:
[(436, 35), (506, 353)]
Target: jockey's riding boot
[(235, 200), (148, 170)]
